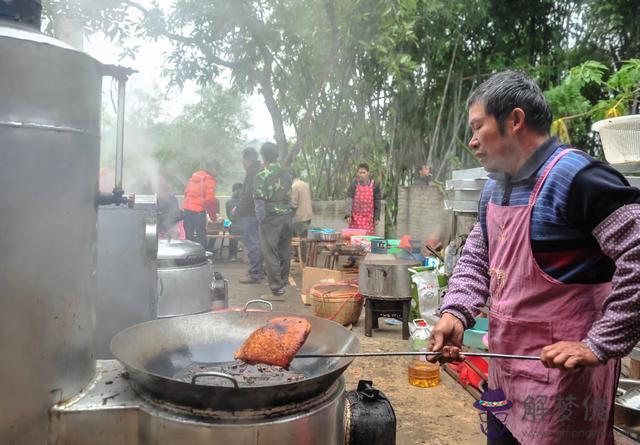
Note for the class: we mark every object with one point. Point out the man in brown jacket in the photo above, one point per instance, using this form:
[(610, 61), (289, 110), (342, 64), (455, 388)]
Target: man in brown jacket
[(301, 203)]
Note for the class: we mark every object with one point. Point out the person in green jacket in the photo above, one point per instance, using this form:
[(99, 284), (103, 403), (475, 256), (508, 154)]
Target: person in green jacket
[(274, 213)]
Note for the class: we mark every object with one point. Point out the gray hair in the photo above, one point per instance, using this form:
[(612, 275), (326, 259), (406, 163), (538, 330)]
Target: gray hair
[(503, 92)]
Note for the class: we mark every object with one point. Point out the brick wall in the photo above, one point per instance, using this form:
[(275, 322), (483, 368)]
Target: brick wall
[(402, 218), (330, 215), (421, 213), (326, 214)]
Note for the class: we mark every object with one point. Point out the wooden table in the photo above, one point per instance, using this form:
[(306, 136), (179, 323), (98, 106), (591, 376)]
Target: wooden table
[(332, 250), (223, 234)]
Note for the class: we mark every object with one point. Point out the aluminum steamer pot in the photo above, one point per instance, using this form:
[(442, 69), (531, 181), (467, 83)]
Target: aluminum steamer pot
[(185, 278), (384, 275)]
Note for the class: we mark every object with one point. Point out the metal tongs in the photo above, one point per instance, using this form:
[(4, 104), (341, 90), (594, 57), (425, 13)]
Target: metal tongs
[(418, 353)]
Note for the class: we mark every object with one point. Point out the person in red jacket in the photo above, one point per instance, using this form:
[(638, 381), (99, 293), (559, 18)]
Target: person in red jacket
[(200, 200)]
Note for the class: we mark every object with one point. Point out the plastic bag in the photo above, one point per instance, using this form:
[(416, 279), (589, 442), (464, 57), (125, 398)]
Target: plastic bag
[(427, 287)]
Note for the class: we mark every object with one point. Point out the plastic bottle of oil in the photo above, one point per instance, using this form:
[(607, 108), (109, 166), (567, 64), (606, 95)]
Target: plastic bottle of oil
[(422, 373)]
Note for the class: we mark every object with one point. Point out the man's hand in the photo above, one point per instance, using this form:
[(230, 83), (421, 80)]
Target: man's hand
[(446, 337), (568, 356)]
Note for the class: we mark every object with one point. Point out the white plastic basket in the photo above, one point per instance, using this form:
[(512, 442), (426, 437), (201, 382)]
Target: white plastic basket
[(620, 138)]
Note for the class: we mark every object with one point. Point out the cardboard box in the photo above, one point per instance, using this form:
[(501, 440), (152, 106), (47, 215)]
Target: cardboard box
[(313, 275)]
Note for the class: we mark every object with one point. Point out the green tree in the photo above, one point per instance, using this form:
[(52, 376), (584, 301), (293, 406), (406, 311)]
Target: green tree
[(590, 92), (386, 81), (212, 129)]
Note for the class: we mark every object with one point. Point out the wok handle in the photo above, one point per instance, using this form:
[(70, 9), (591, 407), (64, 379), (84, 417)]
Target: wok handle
[(215, 374), (268, 303)]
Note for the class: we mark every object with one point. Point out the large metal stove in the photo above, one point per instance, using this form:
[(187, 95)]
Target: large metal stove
[(176, 380), (124, 404), (109, 411), (183, 387)]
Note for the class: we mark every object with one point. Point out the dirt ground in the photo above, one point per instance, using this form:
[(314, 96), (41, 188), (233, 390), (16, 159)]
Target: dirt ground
[(435, 416)]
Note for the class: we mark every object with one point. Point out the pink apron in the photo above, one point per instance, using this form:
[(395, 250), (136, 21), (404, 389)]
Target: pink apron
[(530, 310), (362, 212)]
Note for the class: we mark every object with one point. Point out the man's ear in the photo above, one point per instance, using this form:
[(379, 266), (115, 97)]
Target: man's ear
[(517, 119)]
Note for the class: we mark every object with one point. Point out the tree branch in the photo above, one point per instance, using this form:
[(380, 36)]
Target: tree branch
[(313, 99), (266, 87), (436, 129), (206, 50)]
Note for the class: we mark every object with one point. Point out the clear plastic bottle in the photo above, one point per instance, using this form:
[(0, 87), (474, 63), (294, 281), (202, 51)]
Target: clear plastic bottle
[(422, 373)]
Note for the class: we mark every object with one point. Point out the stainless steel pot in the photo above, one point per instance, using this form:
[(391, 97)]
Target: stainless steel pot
[(186, 279), (627, 417), (383, 275)]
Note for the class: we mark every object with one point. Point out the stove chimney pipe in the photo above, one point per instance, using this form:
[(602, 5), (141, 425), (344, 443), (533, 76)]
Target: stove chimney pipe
[(23, 11)]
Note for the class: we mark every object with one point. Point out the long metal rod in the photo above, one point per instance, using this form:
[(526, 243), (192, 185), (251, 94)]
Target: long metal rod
[(122, 81), (418, 353)]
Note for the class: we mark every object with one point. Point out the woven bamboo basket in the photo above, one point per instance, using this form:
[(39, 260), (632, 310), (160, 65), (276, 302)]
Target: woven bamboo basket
[(339, 302)]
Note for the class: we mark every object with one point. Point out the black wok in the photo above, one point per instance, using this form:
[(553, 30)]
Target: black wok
[(155, 351)]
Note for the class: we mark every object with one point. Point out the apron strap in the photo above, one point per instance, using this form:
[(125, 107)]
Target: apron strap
[(543, 177)]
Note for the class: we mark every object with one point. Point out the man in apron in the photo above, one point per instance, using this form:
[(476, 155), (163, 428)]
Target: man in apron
[(555, 255), (363, 201)]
